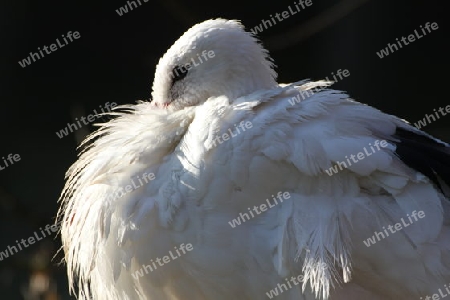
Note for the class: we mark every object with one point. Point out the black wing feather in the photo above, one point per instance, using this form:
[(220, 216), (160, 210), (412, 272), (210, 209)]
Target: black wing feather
[(424, 154)]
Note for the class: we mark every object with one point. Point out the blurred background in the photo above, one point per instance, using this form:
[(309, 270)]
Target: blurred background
[(114, 60)]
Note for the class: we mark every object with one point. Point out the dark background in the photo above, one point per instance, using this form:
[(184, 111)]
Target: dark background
[(114, 61)]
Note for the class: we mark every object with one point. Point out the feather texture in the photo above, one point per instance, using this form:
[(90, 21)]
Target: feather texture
[(214, 161)]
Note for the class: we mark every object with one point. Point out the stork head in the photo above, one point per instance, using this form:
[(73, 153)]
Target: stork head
[(213, 58)]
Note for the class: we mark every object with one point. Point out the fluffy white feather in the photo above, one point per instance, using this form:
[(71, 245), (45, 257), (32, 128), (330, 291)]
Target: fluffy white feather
[(200, 185)]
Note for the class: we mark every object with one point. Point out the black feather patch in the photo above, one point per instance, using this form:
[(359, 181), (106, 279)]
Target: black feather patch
[(180, 72), (424, 154)]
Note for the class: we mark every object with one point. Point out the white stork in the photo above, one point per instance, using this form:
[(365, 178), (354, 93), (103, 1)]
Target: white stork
[(148, 207)]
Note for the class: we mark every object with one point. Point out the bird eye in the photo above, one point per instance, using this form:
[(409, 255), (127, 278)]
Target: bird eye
[(179, 72)]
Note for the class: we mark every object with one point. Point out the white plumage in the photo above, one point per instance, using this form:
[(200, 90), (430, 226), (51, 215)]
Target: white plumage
[(201, 184)]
